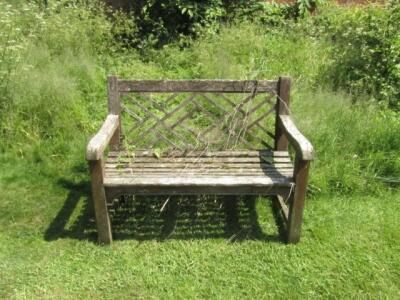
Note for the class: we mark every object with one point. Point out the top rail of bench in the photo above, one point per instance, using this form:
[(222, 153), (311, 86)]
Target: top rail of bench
[(205, 86)]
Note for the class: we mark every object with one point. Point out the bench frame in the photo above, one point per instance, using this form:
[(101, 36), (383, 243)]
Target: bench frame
[(285, 133)]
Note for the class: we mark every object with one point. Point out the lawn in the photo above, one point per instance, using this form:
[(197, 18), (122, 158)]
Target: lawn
[(219, 248)]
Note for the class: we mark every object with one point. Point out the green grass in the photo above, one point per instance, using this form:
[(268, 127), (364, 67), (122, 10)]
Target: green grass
[(349, 248), (54, 98)]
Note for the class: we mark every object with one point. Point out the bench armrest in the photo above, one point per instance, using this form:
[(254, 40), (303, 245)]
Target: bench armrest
[(302, 146), (99, 142)]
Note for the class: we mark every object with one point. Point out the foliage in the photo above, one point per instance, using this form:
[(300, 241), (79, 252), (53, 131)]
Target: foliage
[(302, 7), (365, 49), (161, 22)]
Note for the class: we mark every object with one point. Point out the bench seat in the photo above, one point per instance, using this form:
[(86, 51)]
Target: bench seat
[(219, 172)]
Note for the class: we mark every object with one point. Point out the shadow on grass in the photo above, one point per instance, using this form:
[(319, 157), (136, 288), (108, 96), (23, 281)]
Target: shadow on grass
[(76, 217), (163, 217)]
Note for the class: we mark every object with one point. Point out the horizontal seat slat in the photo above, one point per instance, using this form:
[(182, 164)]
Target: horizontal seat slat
[(198, 171), (287, 177), (199, 160), (176, 153), (197, 181), (188, 165)]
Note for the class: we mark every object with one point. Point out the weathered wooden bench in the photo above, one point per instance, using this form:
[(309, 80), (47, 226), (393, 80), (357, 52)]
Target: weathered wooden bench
[(219, 137)]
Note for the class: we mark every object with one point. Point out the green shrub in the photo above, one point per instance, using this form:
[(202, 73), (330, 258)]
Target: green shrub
[(161, 22), (365, 49)]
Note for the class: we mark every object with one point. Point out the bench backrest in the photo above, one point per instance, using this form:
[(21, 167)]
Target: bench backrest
[(199, 114)]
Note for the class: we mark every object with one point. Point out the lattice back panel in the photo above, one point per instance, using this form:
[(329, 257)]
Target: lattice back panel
[(198, 121)]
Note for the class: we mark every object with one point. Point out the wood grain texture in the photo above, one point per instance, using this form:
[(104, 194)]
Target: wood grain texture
[(114, 105), (299, 142), (216, 169), (100, 203), (282, 108), (193, 153), (297, 202), (220, 163), (99, 142), (209, 86), (113, 192), (205, 160), (208, 181)]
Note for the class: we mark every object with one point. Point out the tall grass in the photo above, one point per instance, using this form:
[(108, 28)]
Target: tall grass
[(50, 71)]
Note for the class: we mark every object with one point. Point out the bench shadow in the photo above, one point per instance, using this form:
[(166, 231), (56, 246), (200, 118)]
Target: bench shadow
[(162, 218), (75, 219)]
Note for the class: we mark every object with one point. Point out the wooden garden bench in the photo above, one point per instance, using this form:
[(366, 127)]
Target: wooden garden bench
[(219, 137)]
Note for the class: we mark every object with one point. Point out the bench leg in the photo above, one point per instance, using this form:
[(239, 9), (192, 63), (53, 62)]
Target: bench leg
[(297, 201), (100, 203)]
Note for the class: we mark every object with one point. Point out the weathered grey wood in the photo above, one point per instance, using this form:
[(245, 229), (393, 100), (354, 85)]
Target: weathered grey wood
[(282, 108), (303, 147), (224, 153), (99, 142), (114, 107), (116, 138), (151, 121), (227, 181), (195, 190), (196, 173), (201, 159), (169, 164), (209, 86), (200, 170), (100, 203), (115, 163), (231, 167), (297, 201)]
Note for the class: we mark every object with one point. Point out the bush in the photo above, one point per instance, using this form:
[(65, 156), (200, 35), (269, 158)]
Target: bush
[(365, 44), (163, 22)]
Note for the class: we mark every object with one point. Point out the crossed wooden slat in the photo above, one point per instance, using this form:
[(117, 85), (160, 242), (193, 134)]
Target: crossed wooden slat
[(161, 125)]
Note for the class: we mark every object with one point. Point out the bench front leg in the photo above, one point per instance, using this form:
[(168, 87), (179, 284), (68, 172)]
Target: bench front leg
[(100, 201), (304, 154), (297, 200), (108, 135)]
